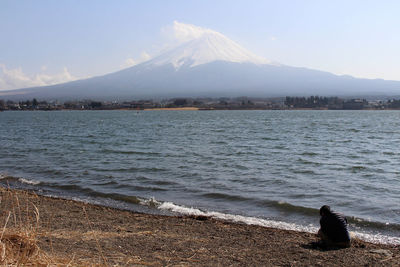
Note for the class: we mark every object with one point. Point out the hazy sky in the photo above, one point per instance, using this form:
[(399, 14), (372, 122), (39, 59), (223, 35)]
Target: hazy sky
[(45, 42)]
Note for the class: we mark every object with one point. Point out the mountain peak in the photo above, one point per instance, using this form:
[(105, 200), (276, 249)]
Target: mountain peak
[(205, 46)]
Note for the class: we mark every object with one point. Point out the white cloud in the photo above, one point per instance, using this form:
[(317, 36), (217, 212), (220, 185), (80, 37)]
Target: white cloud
[(16, 78), (144, 56), (273, 38), (177, 33), (129, 62), (180, 32)]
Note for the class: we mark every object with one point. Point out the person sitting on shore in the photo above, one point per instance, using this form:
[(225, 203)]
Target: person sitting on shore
[(333, 232)]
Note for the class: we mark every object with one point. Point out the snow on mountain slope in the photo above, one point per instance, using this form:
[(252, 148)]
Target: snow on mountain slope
[(203, 47)]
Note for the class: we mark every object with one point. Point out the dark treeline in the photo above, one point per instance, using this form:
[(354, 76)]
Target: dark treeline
[(201, 103), (27, 104), (314, 102), (317, 102), (223, 103)]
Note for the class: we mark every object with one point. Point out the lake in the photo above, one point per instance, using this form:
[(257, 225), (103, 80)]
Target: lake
[(272, 168)]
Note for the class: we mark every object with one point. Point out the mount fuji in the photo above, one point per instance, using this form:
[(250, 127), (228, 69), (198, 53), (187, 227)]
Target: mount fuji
[(210, 65)]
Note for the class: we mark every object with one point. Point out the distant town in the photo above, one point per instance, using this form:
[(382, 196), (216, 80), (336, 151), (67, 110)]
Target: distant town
[(223, 103)]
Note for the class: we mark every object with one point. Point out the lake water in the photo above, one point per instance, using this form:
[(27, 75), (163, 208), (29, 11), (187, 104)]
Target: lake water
[(272, 168)]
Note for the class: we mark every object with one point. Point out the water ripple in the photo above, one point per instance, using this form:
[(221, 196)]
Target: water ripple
[(295, 161)]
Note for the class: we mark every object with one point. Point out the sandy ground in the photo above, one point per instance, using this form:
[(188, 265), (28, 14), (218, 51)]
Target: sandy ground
[(106, 236)]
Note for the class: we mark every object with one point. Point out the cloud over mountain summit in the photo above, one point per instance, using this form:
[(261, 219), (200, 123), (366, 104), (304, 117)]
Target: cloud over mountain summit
[(196, 45)]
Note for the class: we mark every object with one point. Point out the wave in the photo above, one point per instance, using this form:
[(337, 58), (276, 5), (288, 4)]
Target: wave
[(26, 181), (225, 197), (308, 162), (281, 205), (308, 153), (356, 221), (169, 206), (130, 152), (97, 194), (269, 139), (130, 169), (7, 179), (235, 218), (94, 193)]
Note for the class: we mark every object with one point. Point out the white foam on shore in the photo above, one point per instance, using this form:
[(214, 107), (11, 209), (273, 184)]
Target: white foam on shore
[(237, 218), (373, 238), (19, 179), (26, 181), (151, 202), (377, 238)]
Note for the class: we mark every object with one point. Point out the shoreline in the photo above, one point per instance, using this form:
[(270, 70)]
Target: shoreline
[(209, 109), (368, 233), (109, 236), (183, 108)]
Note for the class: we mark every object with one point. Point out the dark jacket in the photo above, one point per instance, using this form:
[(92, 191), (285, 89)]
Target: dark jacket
[(334, 225)]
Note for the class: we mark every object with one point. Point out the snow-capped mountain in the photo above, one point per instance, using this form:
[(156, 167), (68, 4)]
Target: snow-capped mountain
[(209, 64), (209, 47)]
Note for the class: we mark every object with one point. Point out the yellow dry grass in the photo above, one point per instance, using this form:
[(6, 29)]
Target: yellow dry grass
[(19, 232), (18, 236)]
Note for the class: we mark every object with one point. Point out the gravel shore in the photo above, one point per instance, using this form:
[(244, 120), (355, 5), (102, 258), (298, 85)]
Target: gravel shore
[(84, 233)]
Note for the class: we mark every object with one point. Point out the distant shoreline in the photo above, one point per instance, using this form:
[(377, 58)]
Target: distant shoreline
[(238, 103), (206, 109), (183, 108)]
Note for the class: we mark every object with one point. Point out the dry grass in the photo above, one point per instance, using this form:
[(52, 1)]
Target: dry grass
[(18, 238), (18, 244)]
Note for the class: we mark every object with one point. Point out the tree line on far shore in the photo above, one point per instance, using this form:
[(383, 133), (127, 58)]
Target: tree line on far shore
[(222, 103), (317, 102)]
